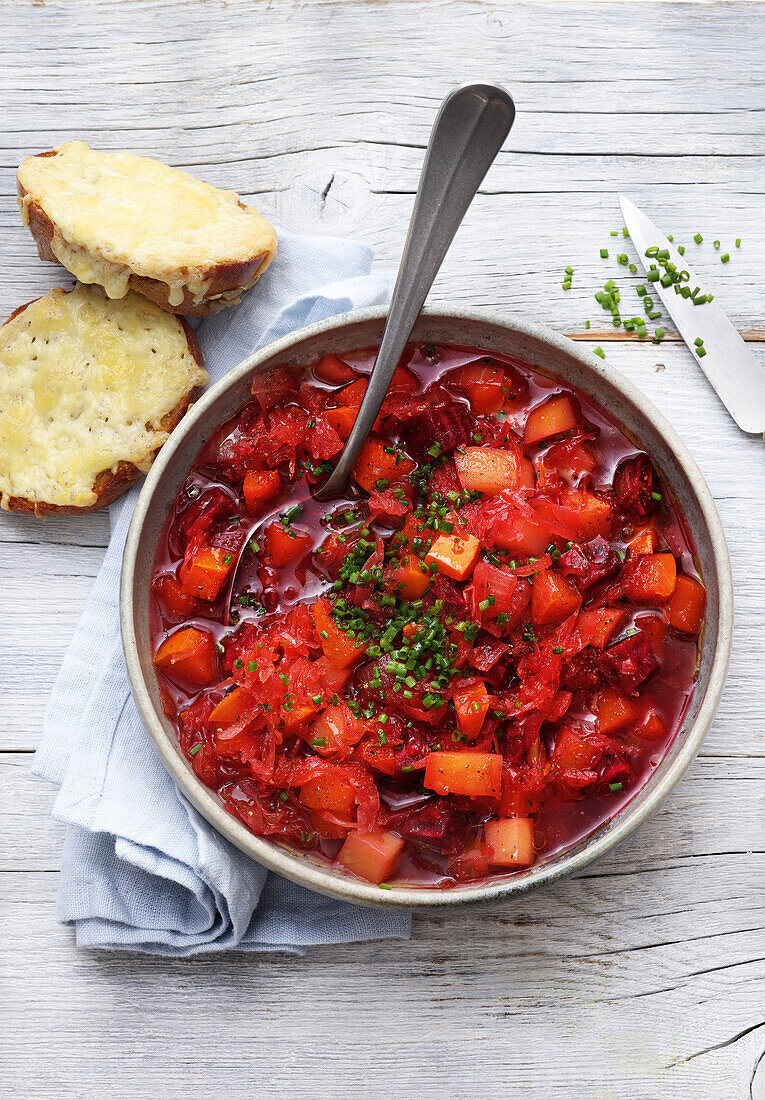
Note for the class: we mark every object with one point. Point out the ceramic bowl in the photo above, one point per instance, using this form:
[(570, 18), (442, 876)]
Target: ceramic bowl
[(536, 345)]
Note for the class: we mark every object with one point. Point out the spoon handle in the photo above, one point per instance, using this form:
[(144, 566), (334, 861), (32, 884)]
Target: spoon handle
[(469, 131)]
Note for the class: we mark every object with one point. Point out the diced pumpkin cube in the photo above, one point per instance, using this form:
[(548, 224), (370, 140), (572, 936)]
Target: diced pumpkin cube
[(377, 469), (334, 371), (260, 488), (615, 711), (285, 545), (189, 653), (686, 605), (409, 579), (471, 704), (510, 842), (207, 573), (342, 420), (643, 541), (600, 624), (337, 646), (372, 856), (650, 578), (330, 794), (454, 555), (553, 417), (476, 774), (552, 599), (522, 537), (487, 470), (230, 708), (484, 384)]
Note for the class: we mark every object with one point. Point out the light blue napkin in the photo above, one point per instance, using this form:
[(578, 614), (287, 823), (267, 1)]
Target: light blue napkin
[(141, 869)]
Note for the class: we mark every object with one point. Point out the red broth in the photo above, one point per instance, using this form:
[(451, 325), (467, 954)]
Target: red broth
[(467, 665)]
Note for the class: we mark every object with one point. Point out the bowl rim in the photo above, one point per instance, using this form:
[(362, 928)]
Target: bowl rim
[(312, 874)]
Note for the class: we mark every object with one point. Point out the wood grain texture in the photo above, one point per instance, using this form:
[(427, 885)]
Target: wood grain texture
[(642, 978)]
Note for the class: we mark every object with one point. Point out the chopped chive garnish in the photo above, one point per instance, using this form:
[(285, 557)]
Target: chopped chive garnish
[(599, 351), (698, 341), (698, 238), (738, 242), (195, 748), (655, 495), (604, 252), (614, 787), (725, 257), (716, 244)]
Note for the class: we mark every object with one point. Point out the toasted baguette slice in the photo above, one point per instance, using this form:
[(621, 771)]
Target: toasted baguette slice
[(89, 391), (127, 222)]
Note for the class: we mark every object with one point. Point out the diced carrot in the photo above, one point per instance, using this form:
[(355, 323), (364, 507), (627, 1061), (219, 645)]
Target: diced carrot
[(379, 757), (334, 371), (650, 578), (686, 607), (353, 395), (336, 644), (483, 384), (521, 536), (295, 719), (371, 856), (510, 842), (471, 704), (454, 555), (260, 488), (414, 528), (552, 599), (208, 571), (409, 579), (342, 420), (331, 794), (230, 707), (615, 711), (375, 465), (189, 653), (487, 470), (285, 545), (600, 624), (476, 774), (572, 750), (651, 725), (173, 597), (644, 541), (554, 416)]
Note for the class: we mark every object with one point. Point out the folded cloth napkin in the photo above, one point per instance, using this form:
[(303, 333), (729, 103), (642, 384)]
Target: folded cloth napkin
[(141, 869)]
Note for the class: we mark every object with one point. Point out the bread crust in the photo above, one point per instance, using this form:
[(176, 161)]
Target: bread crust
[(222, 277), (110, 484)]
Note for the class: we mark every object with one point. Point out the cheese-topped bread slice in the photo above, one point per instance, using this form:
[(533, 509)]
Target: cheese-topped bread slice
[(127, 222), (89, 391)]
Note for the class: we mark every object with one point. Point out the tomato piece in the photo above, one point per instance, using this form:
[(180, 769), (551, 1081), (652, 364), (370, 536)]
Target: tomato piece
[(496, 586), (353, 395), (334, 730), (295, 718), (454, 555), (207, 572), (510, 842), (334, 371), (174, 597), (615, 711), (414, 528), (574, 751), (552, 599), (476, 774), (409, 579), (380, 758), (487, 470), (330, 794), (650, 578), (687, 604), (189, 653), (342, 420), (285, 545), (336, 644), (260, 488), (553, 417), (471, 704), (230, 708), (376, 466), (651, 725), (372, 856), (527, 476)]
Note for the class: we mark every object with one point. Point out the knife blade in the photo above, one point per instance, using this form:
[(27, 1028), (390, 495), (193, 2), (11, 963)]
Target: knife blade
[(729, 364)]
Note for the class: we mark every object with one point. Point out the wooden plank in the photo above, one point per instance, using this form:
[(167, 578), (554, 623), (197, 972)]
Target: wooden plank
[(607, 975)]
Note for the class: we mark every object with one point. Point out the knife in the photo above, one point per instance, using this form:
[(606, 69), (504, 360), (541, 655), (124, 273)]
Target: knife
[(729, 364)]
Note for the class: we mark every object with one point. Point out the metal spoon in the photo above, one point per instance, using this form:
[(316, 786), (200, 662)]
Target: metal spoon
[(468, 133)]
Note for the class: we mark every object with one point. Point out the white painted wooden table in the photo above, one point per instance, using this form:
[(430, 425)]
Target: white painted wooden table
[(645, 976)]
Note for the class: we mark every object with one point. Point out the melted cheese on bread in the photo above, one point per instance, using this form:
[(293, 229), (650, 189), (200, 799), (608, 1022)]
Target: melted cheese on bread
[(116, 214), (84, 385)]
